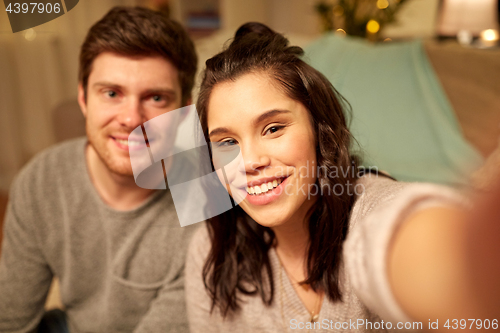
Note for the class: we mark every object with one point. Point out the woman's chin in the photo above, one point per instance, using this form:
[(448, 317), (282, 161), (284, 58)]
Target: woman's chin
[(265, 219), (270, 224)]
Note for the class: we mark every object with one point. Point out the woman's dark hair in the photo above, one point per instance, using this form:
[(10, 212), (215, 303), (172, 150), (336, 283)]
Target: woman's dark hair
[(238, 260)]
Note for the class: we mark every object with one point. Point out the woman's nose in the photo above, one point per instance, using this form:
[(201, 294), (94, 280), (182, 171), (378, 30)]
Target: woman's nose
[(255, 159)]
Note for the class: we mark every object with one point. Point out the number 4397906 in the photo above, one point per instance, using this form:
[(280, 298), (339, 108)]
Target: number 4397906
[(36, 7), (472, 323)]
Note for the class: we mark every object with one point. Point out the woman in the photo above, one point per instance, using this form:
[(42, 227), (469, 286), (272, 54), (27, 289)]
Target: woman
[(314, 243)]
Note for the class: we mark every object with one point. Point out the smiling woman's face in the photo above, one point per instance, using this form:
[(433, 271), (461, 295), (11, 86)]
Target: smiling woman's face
[(277, 142)]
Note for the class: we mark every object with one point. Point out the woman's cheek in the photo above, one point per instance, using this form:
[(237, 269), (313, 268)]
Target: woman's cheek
[(297, 149)]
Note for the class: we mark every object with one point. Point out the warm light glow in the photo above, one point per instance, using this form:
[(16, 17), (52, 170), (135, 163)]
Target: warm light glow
[(382, 4), (388, 40), (341, 32), (471, 15), (372, 26), (30, 34), (489, 35), (338, 10)]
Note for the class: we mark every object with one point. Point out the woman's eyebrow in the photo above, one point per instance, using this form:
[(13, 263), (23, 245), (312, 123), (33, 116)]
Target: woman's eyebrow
[(219, 130), (269, 114), (266, 115)]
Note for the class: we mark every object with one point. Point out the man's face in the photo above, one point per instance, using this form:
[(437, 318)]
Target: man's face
[(122, 93)]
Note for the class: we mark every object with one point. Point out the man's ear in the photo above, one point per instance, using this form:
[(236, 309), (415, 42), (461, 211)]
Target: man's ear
[(81, 99)]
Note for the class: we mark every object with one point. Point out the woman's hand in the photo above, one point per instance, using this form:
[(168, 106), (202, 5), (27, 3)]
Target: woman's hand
[(444, 262)]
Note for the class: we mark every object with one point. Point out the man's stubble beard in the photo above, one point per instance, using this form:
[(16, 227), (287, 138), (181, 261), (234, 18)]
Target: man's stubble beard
[(120, 168)]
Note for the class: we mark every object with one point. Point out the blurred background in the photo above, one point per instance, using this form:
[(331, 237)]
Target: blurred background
[(38, 67)]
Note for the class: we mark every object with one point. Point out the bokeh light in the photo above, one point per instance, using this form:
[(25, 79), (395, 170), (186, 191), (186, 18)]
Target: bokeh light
[(372, 26), (30, 34), (382, 4)]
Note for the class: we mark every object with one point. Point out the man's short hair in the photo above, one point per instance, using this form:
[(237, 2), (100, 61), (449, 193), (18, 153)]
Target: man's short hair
[(136, 32)]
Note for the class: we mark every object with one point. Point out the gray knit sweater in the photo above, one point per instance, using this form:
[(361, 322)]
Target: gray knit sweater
[(119, 271), (367, 297)]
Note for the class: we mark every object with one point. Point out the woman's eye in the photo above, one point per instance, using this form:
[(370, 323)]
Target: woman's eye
[(273, 129), (226, 143)]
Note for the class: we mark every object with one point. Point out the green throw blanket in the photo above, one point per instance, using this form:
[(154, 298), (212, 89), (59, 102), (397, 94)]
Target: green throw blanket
[(401, 117)]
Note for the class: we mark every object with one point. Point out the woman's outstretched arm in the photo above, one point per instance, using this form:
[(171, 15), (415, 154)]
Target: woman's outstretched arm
[(444, 263)]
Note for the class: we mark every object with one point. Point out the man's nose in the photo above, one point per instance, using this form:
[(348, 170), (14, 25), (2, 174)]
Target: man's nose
[(132, 114)]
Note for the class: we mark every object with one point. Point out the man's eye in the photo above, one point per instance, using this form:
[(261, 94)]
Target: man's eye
[(273, 129), (157, 98), (111, 93)]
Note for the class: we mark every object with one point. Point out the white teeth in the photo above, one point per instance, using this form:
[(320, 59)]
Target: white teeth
[(129, 143), (263, 188)]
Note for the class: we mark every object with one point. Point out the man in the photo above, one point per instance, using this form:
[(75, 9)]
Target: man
[(75, 211)]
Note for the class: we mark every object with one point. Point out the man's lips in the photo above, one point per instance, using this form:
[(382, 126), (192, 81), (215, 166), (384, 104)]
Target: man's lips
[(130, 142), (137, 139)]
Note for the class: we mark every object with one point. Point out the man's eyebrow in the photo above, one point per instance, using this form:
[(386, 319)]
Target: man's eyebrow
[(106, 84), (266, 115), (161, 91)]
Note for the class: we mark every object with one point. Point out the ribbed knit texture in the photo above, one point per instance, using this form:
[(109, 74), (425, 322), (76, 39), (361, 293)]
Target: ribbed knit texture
[(119, 271), (367, 297)]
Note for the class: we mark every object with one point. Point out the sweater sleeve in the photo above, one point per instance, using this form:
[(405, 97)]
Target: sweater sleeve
[(25, 276), (376, 217), (198, 300)]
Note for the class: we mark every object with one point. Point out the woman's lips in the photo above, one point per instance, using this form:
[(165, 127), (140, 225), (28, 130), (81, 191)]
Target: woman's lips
[(269, 196), (262, 186)]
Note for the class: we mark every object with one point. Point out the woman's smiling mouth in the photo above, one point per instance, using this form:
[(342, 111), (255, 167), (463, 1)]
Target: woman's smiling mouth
[(266, 192), (265, 186)]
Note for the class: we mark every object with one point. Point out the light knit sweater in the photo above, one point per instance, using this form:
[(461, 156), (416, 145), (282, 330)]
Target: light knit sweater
[(119, 271), (367, 297)]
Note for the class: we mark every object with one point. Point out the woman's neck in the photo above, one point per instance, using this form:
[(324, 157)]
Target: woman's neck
[(292, 237), (292, 241)]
